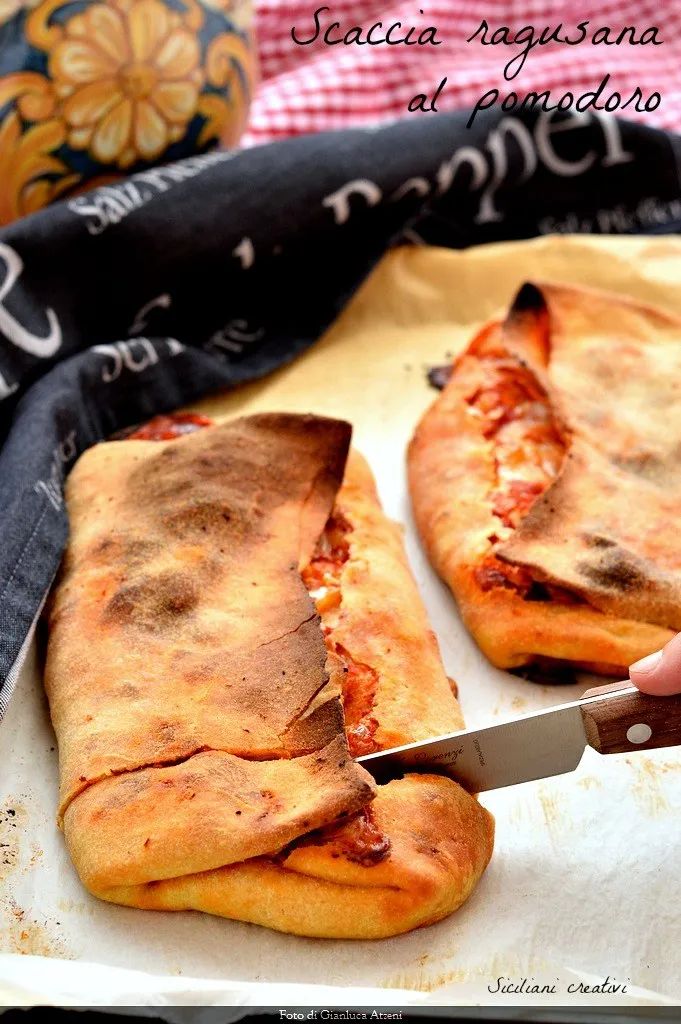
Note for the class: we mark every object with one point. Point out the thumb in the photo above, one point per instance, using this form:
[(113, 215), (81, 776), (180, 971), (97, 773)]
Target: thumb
[(659, 673)]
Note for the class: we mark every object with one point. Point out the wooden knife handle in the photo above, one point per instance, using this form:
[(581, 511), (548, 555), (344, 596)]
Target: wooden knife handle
[(618, 723)]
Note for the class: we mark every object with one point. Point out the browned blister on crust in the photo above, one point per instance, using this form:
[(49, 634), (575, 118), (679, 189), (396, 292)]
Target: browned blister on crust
[(585, 570)]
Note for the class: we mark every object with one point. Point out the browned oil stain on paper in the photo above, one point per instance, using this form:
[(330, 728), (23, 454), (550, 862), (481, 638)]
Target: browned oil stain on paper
[(23, 930)]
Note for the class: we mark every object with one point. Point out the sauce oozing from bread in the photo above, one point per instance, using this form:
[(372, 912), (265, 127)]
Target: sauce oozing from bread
[(357, 839), (323, 574), (322, 577), (170, 426), (515, 414)]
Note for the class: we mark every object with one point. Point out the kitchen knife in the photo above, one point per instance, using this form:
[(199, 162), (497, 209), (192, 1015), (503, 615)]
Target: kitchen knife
[(612, 719)]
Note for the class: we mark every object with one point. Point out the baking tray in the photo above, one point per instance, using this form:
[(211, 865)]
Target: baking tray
[(584, 882)]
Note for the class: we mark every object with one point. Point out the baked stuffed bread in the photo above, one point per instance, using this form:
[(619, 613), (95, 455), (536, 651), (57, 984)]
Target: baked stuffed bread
[(546, 481), (199, 697)]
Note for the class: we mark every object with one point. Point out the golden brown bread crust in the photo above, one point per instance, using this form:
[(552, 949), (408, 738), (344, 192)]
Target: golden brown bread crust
[(210, 828), (210, 810), (383, 623), (181, 623), (440, 843), (602, 530), (611, 543)]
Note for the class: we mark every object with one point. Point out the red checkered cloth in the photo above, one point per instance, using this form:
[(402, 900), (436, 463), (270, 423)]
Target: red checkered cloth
[(315, 87)]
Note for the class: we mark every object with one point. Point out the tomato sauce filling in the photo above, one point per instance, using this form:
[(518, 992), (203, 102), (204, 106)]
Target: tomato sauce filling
[(359, 682), (528, 450), (357, 839), (323, 573), (515, 414), (170, 426), (361, 841)]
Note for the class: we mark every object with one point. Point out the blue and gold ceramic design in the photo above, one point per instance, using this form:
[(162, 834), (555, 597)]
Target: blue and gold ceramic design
[(92, 90)]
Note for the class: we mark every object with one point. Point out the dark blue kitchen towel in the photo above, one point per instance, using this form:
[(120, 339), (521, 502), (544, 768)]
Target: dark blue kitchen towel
[(144, 294)]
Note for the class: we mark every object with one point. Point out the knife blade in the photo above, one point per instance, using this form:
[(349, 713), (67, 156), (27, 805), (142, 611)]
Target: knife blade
[(617, 718)]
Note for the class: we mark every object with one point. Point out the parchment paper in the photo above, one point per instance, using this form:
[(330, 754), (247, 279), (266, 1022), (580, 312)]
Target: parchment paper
[(585, 881)]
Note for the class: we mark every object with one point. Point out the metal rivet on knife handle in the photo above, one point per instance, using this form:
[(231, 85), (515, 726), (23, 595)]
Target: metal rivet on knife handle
[(630, 720)]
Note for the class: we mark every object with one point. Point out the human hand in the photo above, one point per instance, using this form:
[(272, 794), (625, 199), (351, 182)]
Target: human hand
[(659, 673)]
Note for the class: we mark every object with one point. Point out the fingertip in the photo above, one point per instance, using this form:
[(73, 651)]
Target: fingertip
[(659, 673), (646, 666), (651, 683)]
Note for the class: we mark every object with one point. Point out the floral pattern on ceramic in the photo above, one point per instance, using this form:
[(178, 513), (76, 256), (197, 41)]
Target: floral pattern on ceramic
[(113, 86)]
